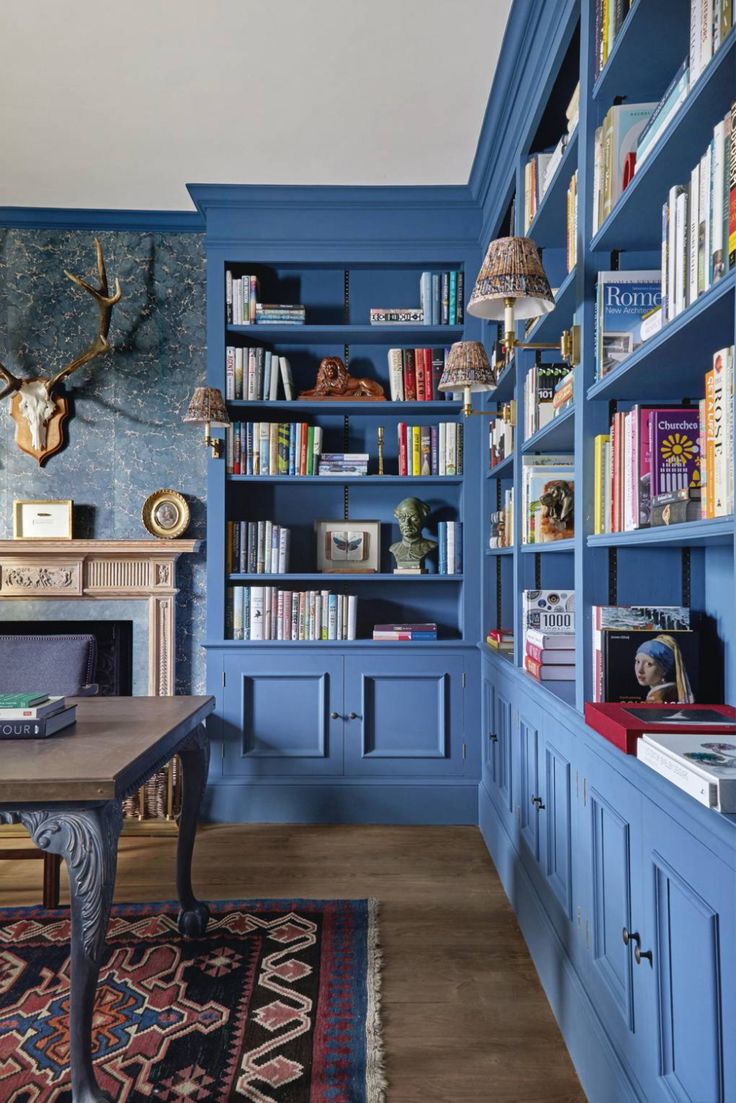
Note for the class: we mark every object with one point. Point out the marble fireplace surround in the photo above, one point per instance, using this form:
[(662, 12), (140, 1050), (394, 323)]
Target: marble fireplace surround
[(95, 570)]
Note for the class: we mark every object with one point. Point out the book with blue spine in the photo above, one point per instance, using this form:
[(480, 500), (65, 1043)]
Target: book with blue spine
[(622, 301)]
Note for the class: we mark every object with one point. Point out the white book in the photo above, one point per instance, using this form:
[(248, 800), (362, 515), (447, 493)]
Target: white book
[(694, 208), (317, 448), (284, 543), (712, 758), (718, 176), (441, 449), (266, 612), (295, 615), (318, 604), (671, 250), (256, 612), (396, 375), (706, 33), (450, 546), (677, 773), (286, 378), (237, 611), (451, 448), (267, 545), (332, 616), (681, 230), (250, 392), (229, 372), (721, 454), (280, 616), (704, 224), (352, 617), (694, 40)]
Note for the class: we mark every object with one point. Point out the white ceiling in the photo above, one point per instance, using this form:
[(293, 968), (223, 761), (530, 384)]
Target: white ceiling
[(120, 104)]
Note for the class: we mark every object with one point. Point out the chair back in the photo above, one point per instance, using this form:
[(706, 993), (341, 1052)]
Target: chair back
[(57, 665)]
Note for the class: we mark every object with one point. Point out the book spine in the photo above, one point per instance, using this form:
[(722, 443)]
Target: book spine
[(676, 773), (420, 375), (402, 442), (395, 375), (410, 376), (416, 450)]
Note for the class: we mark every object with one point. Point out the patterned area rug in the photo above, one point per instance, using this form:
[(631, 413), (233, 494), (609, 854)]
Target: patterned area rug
[(278, 1003)]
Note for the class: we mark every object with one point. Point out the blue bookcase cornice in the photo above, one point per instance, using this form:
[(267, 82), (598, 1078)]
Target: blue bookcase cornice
[(70, 218)]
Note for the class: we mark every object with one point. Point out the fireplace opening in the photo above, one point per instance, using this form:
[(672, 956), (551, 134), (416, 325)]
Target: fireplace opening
[(114, 647)]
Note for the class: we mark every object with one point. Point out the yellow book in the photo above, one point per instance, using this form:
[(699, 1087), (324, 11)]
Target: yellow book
[(599, 475), (416, 450)]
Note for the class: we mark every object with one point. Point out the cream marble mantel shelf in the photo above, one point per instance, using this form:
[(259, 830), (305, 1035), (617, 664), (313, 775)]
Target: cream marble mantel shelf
[(89, 570)]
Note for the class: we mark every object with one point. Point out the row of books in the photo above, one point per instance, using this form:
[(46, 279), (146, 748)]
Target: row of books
[(699, 223), (450, 547), (668, 464), (257, 547), (441, 298), (614, 152), (430, 449), (34, 715), (645, 653), (501, 434), (413, 374), (268, 613), (547, 498), (540, 384), (254, 374), (571, 218), (421, 632), (541, 167), (272, 448), (501, 532), (243, 308), (548, 623), (608, 19)]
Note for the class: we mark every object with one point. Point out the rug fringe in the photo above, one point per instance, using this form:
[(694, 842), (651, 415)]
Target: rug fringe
[(375, 1075)]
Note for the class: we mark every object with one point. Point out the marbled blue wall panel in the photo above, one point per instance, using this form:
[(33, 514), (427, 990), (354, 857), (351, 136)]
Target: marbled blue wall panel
[(125, 437)]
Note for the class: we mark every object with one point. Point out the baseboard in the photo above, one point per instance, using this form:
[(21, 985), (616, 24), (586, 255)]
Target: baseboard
[(332, 802), (602, 1075)]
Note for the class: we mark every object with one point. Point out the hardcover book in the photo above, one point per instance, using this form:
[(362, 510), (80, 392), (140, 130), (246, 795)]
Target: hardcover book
[(675, 452), (550, 612), (704, 766), (623, 725), (656, 667), (622, 301)]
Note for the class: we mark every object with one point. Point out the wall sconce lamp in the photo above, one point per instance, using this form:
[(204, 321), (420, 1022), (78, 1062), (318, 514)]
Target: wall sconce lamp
[(512, 285), (468, 369), (207, 407)]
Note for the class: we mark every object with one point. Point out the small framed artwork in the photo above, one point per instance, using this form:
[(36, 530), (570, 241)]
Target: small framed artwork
[(165, 514), (347, 547), (42, 519)]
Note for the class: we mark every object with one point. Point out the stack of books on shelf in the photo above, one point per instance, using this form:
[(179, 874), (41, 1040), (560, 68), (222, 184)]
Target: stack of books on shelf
[(627, 311), (571, 218), (540, 383), (548, 494), (267, 613), (254, 374), (501, 434), (280, 314), (34, 715), (441, 298), (548, 620), (662, 465), (343, 463), (417, 632), (502, 522), (614, 153), (541, 167), (272, 448), (257, 547), (450, 550), (699, 223), (699, 763), (413, 374), (644, 653), (430, 449), (501, 639)]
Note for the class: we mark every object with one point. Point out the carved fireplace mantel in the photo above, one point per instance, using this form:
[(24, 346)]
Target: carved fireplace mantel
[(89, 570)]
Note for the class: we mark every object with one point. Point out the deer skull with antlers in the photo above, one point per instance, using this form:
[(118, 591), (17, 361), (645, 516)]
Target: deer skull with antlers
[(38, 411)]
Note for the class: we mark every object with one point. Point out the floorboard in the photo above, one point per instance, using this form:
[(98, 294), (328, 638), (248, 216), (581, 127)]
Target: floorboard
[(465, 1018)]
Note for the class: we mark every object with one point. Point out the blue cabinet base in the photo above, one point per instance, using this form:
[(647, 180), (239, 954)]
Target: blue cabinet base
[(382, 801), (602, 1075)]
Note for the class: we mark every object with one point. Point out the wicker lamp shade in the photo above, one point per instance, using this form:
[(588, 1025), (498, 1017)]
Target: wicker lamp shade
[(512, 269), (207, 406), (467, 368)]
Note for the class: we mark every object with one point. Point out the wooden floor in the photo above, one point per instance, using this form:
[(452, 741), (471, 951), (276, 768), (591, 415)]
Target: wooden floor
[(465, 1018)]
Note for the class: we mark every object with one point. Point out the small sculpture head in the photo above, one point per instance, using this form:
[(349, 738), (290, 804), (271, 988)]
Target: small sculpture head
[(411, 514)]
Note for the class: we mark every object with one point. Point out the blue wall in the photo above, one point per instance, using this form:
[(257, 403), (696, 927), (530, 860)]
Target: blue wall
[(125, 438)]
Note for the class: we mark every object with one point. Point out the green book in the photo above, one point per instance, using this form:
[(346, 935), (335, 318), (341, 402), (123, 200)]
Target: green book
[(22, 700)]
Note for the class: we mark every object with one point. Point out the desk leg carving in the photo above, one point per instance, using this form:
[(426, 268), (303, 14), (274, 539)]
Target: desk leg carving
[(87, 839), (195, 758)]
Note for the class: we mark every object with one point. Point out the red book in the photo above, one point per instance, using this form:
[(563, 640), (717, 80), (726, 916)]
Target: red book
[(623, 724), (557, 657), (410, 376), (544, 672), (428, 378), (403, 469), (420, 374), (303, 449)]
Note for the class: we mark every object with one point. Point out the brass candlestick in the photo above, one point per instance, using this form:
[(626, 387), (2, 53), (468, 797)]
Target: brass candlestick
[(380, 450)]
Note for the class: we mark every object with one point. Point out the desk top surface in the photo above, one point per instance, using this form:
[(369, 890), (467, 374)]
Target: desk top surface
[(116, 743)]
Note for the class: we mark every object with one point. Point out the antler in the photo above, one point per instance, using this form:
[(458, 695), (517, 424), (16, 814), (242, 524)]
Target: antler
[(105, 303), (12, 380)]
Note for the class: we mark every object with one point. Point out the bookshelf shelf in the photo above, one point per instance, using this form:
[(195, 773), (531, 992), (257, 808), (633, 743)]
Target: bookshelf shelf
[(502, 470), (634, 66), (329, 580), (561, 691), (550, 547), (372, 645), (549, 225), (385, 409), (506, 383), (691, 534), (635, 221), (349, 334), (499, 551), (558, 436), (550, 326), (339, 480), (679, 353)]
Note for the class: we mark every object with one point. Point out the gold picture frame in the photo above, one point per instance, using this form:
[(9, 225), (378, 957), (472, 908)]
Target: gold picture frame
[(348, 547), (42, 518), (166, 514)]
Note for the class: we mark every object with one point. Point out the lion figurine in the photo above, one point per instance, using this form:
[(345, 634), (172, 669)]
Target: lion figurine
[(334, 381)]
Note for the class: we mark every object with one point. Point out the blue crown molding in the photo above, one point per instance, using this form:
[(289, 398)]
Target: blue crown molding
[(69, 218)]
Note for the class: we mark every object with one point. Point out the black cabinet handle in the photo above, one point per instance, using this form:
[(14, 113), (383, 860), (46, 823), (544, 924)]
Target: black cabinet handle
[(639, 954), (334, 716), (538, 803), (353, 716), (631, 936), (493, 737)]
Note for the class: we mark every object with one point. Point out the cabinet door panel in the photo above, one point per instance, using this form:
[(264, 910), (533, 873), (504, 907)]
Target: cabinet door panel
[(408, 716), (277, 719), (528, 785), (690, 930), (502, 775), (556, 825)]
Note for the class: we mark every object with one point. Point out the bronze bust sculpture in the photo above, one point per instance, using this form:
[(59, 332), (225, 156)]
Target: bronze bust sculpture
[(413, 548)]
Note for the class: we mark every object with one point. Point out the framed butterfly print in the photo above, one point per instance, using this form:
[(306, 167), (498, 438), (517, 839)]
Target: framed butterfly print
[(348, 547)]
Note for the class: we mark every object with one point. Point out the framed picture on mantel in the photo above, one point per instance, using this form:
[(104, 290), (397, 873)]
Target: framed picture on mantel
[(42, 519)]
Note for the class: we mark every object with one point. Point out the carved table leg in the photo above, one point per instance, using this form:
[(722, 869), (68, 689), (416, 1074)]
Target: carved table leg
[(195, 757), (87, 839)]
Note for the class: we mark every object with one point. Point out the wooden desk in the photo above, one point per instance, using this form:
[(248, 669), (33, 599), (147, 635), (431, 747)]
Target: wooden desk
[(68, 790)]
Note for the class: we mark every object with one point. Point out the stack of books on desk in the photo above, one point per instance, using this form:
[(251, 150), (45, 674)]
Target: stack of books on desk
[(33, 715), (501, 639), (405, 631), (548, 618)]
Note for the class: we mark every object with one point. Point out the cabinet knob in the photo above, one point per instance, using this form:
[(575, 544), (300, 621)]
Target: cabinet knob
[(538, 803), (334, 716), (493, 737), (639, 954), (630, 936), (353, 716)]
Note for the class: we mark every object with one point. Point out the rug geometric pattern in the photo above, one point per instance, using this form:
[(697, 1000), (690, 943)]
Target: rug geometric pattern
[(278, 1003)]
